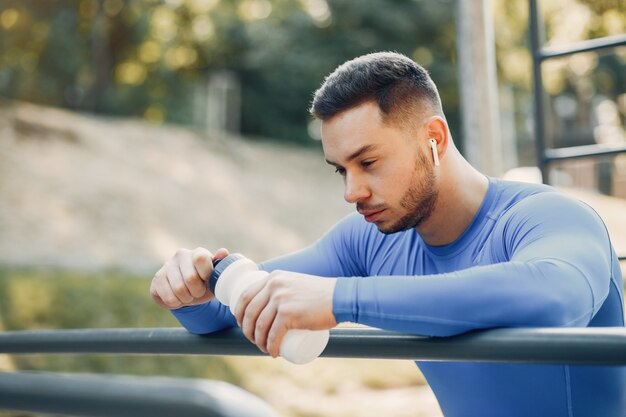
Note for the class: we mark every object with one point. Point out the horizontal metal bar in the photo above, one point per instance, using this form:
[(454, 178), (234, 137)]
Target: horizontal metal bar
[(598, 346), (585, 151), (582, 46), (122, 396)]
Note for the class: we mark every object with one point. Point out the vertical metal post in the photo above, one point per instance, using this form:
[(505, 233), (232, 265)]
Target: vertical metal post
[(100, 56), (478, 86), (539, 122), (223, 105)]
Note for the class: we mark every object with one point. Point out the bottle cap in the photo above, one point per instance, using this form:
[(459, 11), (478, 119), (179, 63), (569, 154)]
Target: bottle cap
[(220, 266)]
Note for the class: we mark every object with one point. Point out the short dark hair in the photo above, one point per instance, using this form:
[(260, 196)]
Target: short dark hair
[(399, 86)]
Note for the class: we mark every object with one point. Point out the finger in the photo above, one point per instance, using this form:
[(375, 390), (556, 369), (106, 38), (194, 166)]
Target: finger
[(191, 278), (252, 312), (158, 300), (162, 292), (202, 262), (165, 293), (245, 297), (155, 295), (208, 296), (175, 280), (221, 253), (263, 325), (275, 336), (241, 307)]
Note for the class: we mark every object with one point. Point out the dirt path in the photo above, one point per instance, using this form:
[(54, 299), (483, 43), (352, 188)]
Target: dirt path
[(88, 192)]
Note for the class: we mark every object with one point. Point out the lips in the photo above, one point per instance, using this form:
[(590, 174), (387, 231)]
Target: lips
[(371, 215)]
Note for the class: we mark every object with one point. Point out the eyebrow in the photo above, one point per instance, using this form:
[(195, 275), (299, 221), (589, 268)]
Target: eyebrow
[(355, 154)]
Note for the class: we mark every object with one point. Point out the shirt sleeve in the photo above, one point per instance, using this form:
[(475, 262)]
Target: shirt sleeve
[(333, 255), (205, 318), (326, 258), (557, 273)]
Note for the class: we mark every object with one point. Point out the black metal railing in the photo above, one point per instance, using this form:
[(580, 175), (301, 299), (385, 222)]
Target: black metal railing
[(541, 54), (126, 396), (91, 395), (595, 346)]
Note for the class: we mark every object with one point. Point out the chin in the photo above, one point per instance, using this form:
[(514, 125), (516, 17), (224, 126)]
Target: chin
[(404, 224), (389, 230)]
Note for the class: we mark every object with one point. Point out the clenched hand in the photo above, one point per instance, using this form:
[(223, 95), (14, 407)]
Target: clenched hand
[(283, 301), (182, 281)]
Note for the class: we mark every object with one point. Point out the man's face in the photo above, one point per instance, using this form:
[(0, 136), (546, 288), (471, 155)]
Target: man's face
[(385, 167)]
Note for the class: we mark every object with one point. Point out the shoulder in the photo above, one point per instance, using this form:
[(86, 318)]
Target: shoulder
[(553, 206), (515, 199), (550, 214), (509, 193)]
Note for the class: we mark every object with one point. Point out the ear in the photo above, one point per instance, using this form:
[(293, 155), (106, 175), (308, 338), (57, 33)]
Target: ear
[(436, 129)]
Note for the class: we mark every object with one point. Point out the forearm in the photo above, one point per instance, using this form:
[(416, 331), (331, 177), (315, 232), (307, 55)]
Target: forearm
[(511, 294)]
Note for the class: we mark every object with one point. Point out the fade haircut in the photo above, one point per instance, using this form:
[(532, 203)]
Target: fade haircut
[(401, 88)]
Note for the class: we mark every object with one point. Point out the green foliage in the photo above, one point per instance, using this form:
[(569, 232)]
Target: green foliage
[(55, 299), (151, 58), (291, 53)]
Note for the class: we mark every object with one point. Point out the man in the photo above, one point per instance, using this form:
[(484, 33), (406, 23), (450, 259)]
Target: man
[(435, 249)]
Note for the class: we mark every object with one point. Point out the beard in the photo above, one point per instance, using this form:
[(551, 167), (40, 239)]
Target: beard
[(419, 199)]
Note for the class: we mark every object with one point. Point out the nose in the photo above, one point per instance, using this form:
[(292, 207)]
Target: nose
[(356, 189)]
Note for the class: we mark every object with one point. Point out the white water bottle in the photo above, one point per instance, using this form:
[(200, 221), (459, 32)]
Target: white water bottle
[(232, 275)]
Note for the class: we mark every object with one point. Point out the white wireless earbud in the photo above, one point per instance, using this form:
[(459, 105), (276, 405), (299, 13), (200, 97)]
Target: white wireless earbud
[(433, 146)]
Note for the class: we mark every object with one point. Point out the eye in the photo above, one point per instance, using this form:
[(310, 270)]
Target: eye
[(341, 171), (367, 163)]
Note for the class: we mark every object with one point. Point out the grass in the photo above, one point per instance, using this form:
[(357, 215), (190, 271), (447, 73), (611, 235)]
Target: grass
[(58, 299)]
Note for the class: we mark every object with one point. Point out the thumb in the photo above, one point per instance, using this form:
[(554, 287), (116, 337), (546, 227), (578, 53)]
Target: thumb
[(221, 253), (203, 262)]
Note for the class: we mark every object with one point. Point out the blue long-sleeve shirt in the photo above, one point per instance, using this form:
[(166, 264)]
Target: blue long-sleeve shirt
[(532, 257)]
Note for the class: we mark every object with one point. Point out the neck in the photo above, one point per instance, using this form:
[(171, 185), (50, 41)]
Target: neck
[(462, 190)]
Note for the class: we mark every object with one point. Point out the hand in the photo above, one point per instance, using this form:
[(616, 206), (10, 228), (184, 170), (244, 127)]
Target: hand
[(283, 301), (182, 281)]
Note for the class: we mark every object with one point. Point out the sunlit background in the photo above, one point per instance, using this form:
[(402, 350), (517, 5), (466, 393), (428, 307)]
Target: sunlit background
[(131, 128)]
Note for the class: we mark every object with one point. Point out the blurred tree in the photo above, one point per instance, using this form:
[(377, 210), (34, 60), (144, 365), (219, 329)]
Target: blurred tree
[(291, 51), (149, 58)]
